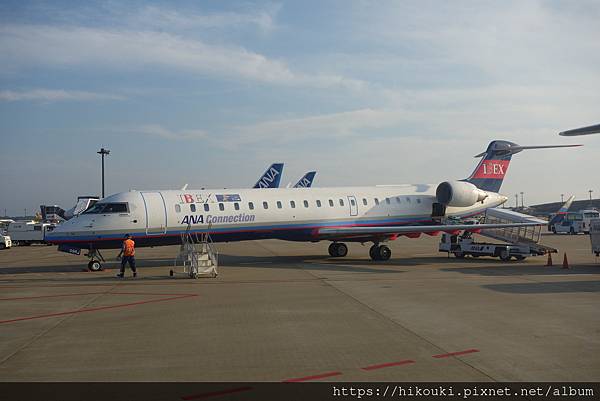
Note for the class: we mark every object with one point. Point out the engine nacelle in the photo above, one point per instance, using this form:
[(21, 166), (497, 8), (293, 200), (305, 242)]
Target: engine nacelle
[(459, 194)]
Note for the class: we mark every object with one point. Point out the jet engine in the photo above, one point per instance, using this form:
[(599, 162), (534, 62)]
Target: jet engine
[(459, 194)]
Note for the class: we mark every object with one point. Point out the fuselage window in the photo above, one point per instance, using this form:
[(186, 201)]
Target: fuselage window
[(279, 205), (387, 200), (236, 206), (206, 207), (418, 200), (398, 199), (250, 205), (318, 203), (352, 202), (265, 205), (192, 207), (376, 201), (221, 207), (177, 209), (408, 199), (292, 204), (331, 202), (365, 201), (305, 203), (341, 202)]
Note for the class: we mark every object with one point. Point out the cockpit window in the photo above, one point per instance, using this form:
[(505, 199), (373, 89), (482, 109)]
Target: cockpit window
[(102, 208)]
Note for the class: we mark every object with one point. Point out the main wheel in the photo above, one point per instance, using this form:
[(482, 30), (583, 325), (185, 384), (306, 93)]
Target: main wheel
[(94, 266), (520, 257), (504, 255), (2, 246), (373, 252), (342, 250), (554, 229), (333, 249), (572, 231), (459, 254), (383, 253)]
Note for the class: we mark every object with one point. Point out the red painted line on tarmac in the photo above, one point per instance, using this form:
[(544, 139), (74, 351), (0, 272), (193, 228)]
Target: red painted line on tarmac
[(308, 378), (100, 308), (215, 393), (389, 364), (469, 351), (52, 296)]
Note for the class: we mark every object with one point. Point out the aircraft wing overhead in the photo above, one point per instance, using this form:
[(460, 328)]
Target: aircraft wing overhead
[(592, 129), (361, 231)]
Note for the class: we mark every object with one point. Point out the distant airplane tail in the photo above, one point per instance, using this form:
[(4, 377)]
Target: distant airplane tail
[(559, 216), (271, 177), (490, 172), (306, 181)]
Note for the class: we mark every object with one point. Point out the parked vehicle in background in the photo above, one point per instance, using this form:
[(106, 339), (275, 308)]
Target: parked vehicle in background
[(588, 216), (28, 232), (5, 241), (595, 236)]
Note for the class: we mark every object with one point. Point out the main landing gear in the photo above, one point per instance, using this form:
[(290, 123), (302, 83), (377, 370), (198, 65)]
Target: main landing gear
[(338, 249), (95, 257), (380, 252), (377, 252)]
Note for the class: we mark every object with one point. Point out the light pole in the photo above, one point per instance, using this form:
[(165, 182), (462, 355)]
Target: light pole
[(103, 152), (516, 201), (522, 201), (590, 191), (562, 198)]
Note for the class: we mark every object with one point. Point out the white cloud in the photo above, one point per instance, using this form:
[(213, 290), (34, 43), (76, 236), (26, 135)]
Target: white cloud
[(159, 17), (165, 133), (60, 46), (53, 95)]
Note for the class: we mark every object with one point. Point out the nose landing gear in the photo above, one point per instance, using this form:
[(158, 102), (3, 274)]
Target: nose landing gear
[(95, 257)]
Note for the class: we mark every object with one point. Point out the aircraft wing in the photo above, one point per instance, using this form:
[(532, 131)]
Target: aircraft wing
[(592, 129), (391, 230)]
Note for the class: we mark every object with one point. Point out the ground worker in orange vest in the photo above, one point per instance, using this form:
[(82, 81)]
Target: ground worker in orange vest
[(128, 252)]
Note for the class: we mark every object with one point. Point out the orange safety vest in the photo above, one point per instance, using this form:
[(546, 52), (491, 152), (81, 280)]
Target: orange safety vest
[(128, 247)]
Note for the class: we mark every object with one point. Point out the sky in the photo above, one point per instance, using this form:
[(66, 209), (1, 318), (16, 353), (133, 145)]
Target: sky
[(209, 93)]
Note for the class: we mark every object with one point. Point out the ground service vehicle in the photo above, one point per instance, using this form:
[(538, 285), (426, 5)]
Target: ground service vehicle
[(5, 241), (28, 232), (462, 245)]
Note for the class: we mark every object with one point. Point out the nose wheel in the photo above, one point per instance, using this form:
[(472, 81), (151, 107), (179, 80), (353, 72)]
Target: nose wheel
[(338, 249), (380, 252), (95, 265)]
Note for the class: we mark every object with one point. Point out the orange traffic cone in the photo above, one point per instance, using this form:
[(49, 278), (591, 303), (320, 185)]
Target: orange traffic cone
[(549, 262), (565, 262)]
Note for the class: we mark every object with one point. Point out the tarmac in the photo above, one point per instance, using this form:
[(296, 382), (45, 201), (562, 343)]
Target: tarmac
[(283, 311)]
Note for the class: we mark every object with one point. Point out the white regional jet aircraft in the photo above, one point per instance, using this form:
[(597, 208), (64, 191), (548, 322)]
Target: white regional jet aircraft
[(362, 214)]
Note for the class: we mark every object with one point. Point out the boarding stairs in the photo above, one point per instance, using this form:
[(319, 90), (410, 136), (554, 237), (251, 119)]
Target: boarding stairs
[(198, 254), (528, 235)]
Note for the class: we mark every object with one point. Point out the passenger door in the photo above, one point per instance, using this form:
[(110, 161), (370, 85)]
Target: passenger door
[(156, 213), (353, 205)]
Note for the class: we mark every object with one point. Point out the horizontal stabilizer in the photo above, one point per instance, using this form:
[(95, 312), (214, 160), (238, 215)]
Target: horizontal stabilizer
[(514, 148)]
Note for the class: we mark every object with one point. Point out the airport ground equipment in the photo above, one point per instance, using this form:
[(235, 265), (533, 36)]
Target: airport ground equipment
[(28, 232), (574, 222), (198, 255), (5, 242), (518, 242), (595, 236)]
